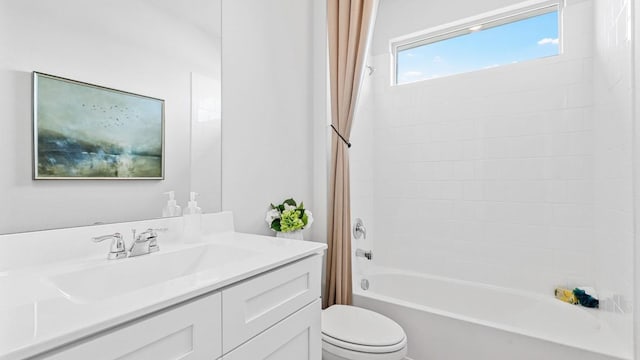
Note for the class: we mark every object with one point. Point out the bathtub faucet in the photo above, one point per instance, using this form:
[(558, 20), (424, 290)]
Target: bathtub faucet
[(367, 254), (359, 230)]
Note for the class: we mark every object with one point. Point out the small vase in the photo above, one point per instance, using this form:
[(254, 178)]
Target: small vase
[(296, 235)]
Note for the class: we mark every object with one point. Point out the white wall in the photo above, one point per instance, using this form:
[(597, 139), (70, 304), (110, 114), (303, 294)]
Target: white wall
[(273, 113), (486, 176), (613, 175), (636, 107), (268, 101), (135, 46), (321, 121)]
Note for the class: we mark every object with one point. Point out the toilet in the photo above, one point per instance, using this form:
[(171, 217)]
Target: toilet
[(353, 333)]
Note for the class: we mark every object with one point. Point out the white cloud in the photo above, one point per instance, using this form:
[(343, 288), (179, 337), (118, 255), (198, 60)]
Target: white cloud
[(546, 41), (437, 59)]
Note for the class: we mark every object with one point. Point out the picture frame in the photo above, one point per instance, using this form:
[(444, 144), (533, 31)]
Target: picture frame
[(83, 131)]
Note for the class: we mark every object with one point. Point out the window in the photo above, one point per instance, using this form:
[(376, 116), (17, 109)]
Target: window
[(491, 42)]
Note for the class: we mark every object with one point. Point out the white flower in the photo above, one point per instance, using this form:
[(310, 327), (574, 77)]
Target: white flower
[(309, 219), (289, 207), (272, 215)]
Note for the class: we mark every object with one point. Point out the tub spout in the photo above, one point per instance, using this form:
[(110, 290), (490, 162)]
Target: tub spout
[(367, 254)]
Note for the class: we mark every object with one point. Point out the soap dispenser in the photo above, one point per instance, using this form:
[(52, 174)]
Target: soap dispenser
[(192, 220), (172, 208)]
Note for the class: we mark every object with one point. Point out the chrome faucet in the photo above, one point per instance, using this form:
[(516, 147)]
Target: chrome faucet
[(118, 250), (146, 242), (367, 254)]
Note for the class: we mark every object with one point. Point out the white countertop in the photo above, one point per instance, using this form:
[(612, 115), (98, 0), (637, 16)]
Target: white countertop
[(36, 316)]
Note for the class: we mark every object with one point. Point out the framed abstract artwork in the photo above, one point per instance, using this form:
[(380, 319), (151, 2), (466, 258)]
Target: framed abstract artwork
[(86, 131)]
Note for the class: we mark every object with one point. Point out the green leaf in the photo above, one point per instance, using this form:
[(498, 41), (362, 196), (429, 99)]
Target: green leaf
[(281, 208), (290, 202), (273, 206), (301, 206), (305, 219), (275, 225)]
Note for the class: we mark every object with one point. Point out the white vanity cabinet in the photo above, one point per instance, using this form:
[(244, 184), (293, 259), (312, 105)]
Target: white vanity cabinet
[(273, 315), (190, 331), (297, 337)]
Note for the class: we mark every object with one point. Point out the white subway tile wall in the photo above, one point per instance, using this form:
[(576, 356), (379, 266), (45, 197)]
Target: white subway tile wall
[(361, 164), (485, 176), (613, 165), (518, 176)]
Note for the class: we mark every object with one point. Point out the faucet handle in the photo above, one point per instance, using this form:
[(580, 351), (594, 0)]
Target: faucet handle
[(359, 230), (118, 249), (153, 247), (153, 231), (150, 235)]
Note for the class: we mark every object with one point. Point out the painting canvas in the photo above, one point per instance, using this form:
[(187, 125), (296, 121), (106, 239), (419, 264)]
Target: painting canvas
[(85, 131)]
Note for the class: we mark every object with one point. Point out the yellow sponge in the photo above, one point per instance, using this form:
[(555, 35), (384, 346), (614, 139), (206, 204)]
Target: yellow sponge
[(566, 295)]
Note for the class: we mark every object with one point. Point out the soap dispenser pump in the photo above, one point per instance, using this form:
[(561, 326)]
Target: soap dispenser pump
[(192, 220), (172, 208), (192, 206)]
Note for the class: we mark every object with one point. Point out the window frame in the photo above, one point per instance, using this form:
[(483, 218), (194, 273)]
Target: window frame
[(466, 26)]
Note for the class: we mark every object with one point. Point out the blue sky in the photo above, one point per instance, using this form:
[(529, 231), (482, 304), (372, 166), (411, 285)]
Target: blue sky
[(526, 39)]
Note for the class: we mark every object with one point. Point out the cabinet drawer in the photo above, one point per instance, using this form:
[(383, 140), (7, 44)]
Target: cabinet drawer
[(296, 337), (254, 305), (190, 331)]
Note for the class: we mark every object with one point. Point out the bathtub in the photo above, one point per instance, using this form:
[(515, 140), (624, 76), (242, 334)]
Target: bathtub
[(448, 319)]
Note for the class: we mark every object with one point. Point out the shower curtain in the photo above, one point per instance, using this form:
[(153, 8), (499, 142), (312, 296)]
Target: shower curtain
[(350, 26)]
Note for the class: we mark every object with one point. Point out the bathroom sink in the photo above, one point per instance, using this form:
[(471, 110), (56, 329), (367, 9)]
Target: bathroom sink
[(119, 277)]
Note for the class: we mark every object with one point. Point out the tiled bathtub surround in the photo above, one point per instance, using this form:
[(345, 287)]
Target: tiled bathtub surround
[(613, 158), (517, 176), (488, 175)]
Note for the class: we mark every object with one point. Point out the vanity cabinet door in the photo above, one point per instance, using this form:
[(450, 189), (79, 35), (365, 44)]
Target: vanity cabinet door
[(256, 304), (190, 331), (297, 337)]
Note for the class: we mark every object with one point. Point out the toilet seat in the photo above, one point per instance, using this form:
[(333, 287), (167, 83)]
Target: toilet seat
[(354, 332), (331, 352), (364, 348)]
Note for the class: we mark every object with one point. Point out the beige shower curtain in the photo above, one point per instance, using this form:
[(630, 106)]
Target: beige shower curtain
[(350, 25)]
